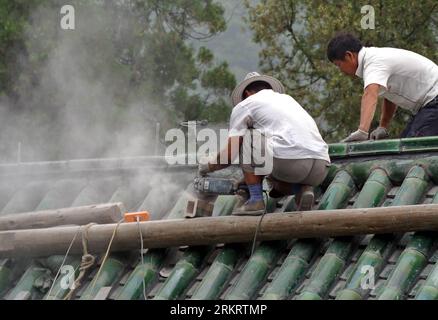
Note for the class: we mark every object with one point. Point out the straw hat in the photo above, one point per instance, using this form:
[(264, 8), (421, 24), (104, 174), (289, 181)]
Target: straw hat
[(237, 95)]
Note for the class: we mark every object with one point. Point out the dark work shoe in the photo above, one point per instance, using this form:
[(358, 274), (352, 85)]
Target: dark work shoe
[(242, 197), (274, 194), (306, 199), (250, 209)]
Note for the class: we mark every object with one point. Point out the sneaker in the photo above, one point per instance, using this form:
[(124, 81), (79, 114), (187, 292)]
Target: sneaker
[(306, 199), (250, 209), (242, 197)]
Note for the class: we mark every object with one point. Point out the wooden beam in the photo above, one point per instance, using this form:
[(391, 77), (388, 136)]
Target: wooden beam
[(208, 231), (103, 213)]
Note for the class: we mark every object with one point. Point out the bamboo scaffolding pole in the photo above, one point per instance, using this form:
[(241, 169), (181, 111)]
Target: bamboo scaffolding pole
[(207, 231), (103, 213)]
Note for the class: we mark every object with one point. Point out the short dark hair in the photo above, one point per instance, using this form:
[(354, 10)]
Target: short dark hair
[(342, 43), (257, 86)]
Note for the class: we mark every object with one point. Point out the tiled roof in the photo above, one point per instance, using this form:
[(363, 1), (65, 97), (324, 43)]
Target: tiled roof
[(389, 173)]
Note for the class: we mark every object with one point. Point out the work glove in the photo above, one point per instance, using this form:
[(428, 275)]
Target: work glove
[(203, 167), (357, 136), (379, 134)]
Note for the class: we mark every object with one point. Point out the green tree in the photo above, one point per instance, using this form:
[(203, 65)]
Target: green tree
[(13, 21), (128, 64), (295, 33)]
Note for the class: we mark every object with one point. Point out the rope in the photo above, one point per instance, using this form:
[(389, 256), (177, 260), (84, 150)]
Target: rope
[(87, 262), (142, 256), (106, 255), (62, 264)]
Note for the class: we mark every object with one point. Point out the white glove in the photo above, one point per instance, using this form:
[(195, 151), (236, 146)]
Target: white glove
[(379, 134), (357, 136)]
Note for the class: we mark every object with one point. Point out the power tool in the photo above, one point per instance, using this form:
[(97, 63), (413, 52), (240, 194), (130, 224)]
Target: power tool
[(206, 191), (217, 186)]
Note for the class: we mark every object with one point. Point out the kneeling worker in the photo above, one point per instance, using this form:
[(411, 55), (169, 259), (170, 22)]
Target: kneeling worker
[(268, 125), (403, 78)]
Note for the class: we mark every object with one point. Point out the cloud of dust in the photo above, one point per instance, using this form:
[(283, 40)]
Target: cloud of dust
[(82, 104)]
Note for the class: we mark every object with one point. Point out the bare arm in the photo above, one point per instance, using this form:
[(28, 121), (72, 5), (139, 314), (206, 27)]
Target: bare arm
[(369, 105), (388, 111), (228, 154)]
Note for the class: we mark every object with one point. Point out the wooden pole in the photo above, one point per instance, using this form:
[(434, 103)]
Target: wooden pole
[(103, 213), (208, 231)]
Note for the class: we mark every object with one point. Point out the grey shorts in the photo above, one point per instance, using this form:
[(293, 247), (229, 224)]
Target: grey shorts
[(295, 171), (310, 172)]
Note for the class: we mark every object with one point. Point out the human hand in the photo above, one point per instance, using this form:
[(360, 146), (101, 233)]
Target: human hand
[(204, 167), (357, 136), (379, 134)]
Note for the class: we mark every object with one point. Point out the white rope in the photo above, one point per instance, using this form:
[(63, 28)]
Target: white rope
[(106, 256), (87, 262), (62, 264), (103, 261)]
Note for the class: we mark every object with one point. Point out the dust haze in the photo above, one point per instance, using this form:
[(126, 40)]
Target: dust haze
[(77, 105)]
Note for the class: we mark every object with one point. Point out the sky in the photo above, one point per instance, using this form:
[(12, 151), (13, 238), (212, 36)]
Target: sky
[(235, 45)]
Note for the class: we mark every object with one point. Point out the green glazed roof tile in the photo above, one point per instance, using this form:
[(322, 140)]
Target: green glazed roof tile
[(373, 148), (419, 144), (434, 257), (338, 150), (416, 288), (358, 160), (383, 147), (426, 271)]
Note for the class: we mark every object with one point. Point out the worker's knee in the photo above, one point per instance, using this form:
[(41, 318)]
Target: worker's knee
[(255, 154), (247, 168)]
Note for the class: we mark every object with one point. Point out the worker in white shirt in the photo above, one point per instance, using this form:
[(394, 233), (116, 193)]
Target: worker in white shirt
[(266, 123), (403, 78)]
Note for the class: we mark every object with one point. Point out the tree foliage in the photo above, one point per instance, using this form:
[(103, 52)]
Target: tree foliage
[(295, 34), (123, 53), (13, 21)]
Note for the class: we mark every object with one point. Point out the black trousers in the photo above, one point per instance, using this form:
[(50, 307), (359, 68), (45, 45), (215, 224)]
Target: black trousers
[(424, 123)]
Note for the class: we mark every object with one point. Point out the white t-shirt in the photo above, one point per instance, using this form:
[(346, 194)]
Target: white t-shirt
[(408, 79), (291, 131)]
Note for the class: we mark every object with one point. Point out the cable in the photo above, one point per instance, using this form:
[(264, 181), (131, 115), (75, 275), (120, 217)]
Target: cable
[(142, 256), (259, 226)]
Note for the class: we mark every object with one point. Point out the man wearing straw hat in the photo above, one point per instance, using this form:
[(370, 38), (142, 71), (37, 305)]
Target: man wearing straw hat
[(275, 138)]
